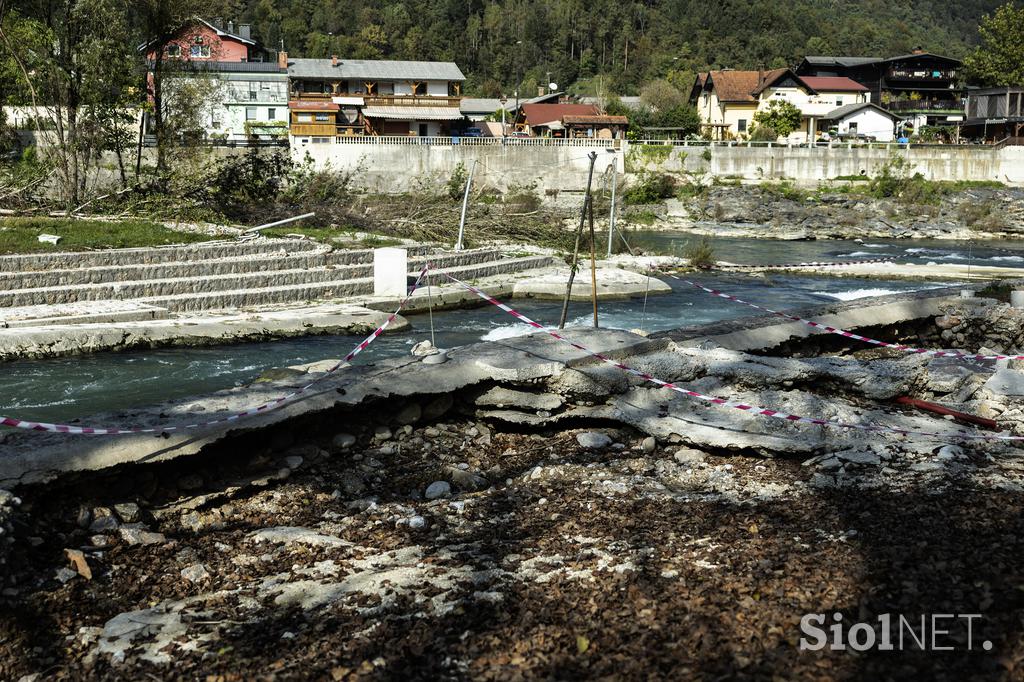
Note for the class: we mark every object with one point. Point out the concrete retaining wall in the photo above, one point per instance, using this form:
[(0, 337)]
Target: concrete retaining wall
[(810, 165), (399, 168)]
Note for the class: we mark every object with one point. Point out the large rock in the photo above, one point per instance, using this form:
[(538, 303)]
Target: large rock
[(592, 440)]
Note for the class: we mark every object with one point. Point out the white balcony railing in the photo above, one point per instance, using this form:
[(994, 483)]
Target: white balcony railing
[(448, 141)]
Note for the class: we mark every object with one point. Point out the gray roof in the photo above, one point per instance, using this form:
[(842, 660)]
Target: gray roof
[(480, 106), (846, 110), (918, 55), (841, 61), (376, 69), (231, 67)]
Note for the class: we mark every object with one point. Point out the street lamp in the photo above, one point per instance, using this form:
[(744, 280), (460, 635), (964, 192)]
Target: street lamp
[(504, 101)]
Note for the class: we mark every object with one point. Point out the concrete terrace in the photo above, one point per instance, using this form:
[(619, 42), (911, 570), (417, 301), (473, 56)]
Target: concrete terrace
[(214, 292)]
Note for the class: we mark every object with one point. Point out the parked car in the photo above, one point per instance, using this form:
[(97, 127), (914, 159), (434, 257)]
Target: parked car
[(519, 133), (472, 132)]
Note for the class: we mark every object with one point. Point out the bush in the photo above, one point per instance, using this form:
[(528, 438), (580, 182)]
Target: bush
[(701, 255), (763, 133), (457, 182), (651, 188)]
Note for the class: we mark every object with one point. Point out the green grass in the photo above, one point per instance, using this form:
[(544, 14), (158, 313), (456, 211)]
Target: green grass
[(20, 235)]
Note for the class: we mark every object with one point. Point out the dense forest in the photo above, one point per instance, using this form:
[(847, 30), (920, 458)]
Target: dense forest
[(615, 45), (586, 46)]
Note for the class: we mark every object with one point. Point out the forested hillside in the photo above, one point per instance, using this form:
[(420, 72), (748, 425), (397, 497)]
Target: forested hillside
[(626, 41), (586, 46)]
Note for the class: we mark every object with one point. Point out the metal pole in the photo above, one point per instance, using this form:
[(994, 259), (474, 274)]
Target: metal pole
[(465, 203), (593, 261), (280, 222), (576, 247), (611, 219)]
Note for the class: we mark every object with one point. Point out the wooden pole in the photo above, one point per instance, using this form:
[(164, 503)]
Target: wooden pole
[(593, 261), (576, 246)]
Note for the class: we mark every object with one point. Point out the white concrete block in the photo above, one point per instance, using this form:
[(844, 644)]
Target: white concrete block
[(390, 267), (1017, 298)]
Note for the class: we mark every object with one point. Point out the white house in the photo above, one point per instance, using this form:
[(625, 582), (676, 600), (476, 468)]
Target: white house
[(728, 100), (863, 118)]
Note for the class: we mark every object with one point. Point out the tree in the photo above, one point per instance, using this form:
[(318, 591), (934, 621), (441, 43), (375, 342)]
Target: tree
[(684, 117), (661, 95), (999, 59), (159, 21), (781, 117)]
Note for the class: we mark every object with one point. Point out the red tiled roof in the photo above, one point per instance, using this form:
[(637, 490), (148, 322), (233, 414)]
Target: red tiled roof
[(539, 114), (306, 105), (606, 120), (833, 84), (740, 86)]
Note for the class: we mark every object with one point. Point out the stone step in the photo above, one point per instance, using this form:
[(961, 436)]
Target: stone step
[(359, 260), (162, 254), (80, 313), (328, 290), (202, 283)]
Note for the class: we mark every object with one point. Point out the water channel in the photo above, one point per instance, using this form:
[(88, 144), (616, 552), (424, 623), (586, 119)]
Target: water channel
[(64, 388)]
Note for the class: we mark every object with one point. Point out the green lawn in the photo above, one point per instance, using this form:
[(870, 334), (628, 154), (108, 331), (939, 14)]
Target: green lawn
[(19, 235)]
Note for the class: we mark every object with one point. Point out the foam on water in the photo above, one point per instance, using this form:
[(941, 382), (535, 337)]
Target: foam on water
[(508, 332), (854, 294)]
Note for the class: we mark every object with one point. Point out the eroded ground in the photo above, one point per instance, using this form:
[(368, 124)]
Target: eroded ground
[(637, 559)]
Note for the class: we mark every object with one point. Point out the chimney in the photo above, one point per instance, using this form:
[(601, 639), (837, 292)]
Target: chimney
[(231, 27), (540, 91), (245, 31), (282, 60), (334, 60)]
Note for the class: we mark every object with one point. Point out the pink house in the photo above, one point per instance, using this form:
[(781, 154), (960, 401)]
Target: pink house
[(200, 40)]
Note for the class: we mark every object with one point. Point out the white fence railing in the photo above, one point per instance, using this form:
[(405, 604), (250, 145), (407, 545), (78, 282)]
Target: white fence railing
[(449, 141), (834, 144)]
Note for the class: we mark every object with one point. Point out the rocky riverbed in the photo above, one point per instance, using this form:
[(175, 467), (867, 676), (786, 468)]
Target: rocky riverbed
[(981, 213)]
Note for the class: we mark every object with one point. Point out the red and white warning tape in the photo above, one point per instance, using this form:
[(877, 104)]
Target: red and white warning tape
[(849, 334), (252, 411), (784, 266), (752, 409)]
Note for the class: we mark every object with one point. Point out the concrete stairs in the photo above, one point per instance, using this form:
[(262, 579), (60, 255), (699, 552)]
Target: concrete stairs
[(211, 277)]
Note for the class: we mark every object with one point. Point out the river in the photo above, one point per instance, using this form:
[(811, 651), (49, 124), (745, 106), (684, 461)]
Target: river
[(64, 388)]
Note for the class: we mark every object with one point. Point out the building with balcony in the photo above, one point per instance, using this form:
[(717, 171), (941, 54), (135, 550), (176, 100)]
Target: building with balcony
[(242, 88), (921, 87), (346, 97)]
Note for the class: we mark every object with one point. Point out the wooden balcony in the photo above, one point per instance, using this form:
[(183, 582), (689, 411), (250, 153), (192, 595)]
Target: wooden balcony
[(411, 101), (314, 129)]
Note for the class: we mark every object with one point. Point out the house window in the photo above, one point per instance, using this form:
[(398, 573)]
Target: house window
[(173, 51), (321, 140), (741, 125), (200, 52), (250, 113), (419, 87), (322, 117), (853, 128), (252, 92), (271, 113), (839, 101), (304, 118)]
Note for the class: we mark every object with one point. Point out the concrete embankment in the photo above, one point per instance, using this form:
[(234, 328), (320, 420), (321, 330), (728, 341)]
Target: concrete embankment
[(546, 383)]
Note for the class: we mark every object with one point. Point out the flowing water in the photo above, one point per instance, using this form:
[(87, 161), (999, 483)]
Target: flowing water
[(64, 388)]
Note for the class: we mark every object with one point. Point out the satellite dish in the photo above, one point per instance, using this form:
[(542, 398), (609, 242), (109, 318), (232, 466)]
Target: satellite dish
[(553, 86)]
